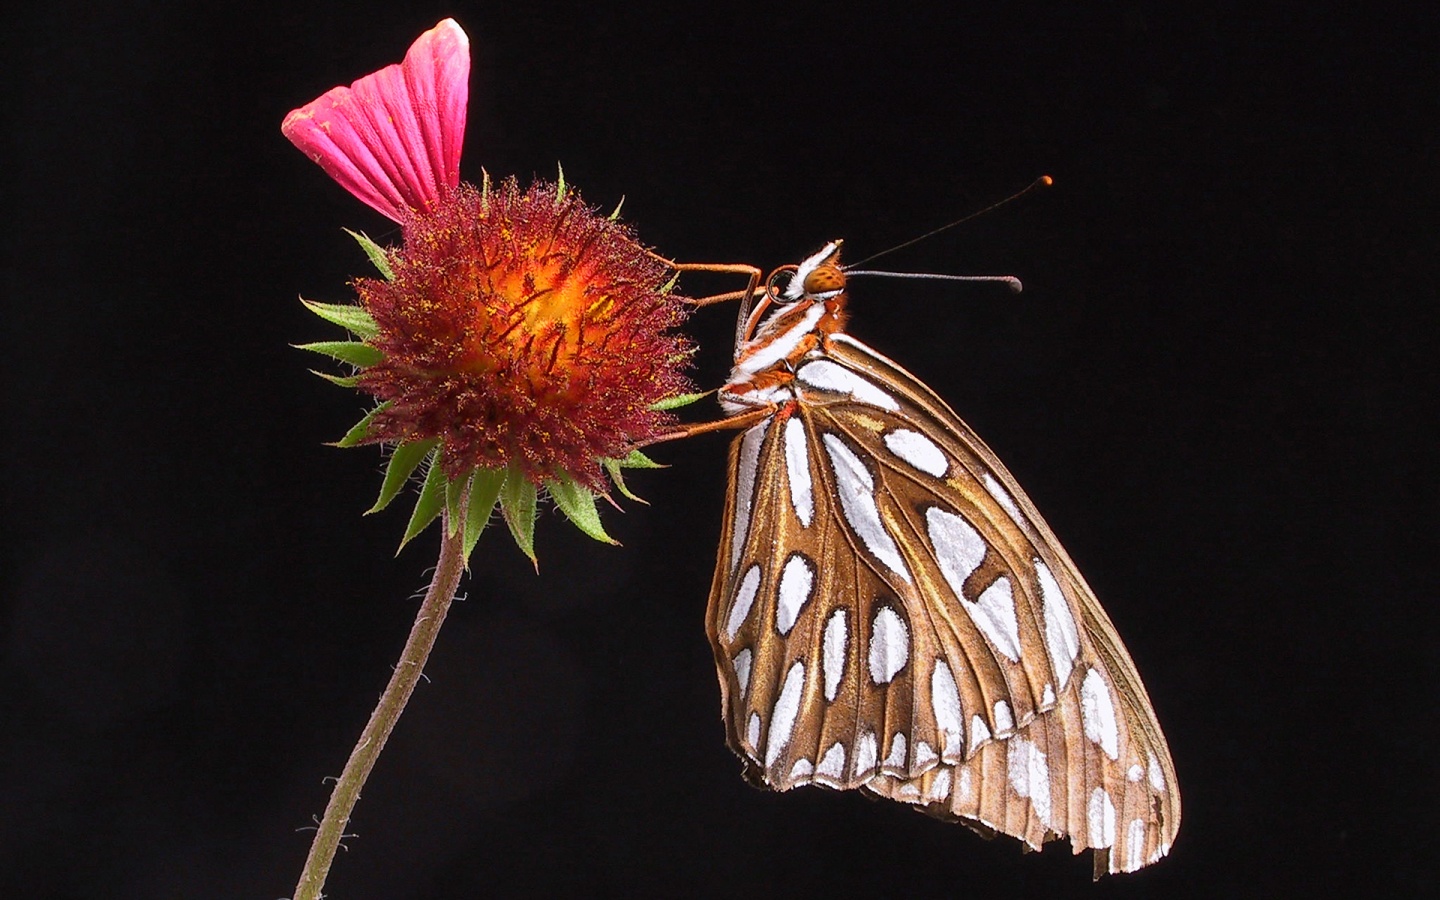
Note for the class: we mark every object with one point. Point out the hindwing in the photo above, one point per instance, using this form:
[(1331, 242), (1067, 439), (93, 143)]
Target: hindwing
[(890, 613)]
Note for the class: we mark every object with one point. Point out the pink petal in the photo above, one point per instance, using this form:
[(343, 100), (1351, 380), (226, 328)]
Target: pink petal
[(393, 138)]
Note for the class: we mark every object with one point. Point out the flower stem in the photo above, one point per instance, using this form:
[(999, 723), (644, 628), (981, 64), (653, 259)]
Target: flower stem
[(387, 713)]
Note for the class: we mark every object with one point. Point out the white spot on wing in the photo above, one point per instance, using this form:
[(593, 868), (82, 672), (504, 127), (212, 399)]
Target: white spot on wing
[(1030, 775), (744, 598), (1004, 721), (924, 755), (966, 783), (1134, 773), (958, 546), (742, 670), (802, 769), (1157, 775), (1134, 845), (896, 759), (752, 731), (782, 720), (979, 732), (1002, 497), (1062, 639), (831, 764), (1047, 698), (835, 378), (994, 614), (856, 487), (797, 467), (1100, 811), (945, 701), (1097, 712), (796, 581), (959, 549), (939, 786), (918, 450), (745, 488), (834, 650), (865, 751), (889, 645)]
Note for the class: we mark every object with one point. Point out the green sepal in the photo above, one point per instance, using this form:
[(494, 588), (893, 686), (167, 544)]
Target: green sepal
[(560, 185), (484, 190), (356, 353), (375, 252), (577, 502), (348, 316), (485, 487), (432, 500), (518, 504), (361, 429), (454, 497), (678, 401), (345, 381), (615, 216), (669, 286), (636, 460), (613, 467), (401, 466)]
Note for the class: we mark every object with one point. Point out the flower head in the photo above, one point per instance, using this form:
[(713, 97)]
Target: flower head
[(522, 327), (518, 338)]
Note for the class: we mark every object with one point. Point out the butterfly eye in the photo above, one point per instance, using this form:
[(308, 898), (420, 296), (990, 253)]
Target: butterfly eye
[(824, 279)]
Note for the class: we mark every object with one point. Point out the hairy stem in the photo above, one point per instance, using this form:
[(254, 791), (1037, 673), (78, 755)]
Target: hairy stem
[(387, 713)]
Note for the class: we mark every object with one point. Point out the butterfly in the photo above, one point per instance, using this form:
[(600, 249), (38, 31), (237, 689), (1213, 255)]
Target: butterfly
[(891, 614)]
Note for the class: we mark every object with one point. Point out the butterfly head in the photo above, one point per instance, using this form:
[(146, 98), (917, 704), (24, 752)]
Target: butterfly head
[(819, 277), (798, 299)]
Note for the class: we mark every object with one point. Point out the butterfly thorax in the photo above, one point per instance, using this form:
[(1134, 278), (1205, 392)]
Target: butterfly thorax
[(784, 329)]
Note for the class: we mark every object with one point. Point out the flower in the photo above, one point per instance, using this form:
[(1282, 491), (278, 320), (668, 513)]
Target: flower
[(393, 138), (518, 338)]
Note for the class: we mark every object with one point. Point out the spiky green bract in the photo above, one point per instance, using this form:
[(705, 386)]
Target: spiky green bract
[(356, 353), (360, 430), (348, 316), (485, 487), (636, 460), (376, 254), (577, 502), (403, 462), (519, 504), (431, 502)]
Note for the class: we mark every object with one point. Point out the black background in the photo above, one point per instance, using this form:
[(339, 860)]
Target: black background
[(1213, 386)]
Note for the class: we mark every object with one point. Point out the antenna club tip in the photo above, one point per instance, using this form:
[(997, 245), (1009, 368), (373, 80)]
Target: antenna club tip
[(1046, 181), (1015, 285)]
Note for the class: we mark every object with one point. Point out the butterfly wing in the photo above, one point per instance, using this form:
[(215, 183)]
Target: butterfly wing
[(890, 613)]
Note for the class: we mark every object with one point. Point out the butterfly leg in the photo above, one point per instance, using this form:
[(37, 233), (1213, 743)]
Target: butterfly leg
[(736, 268), (730, 423)]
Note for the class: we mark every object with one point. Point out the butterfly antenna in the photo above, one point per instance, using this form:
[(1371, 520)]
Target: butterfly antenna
[(1042, 181), (1009, 281)]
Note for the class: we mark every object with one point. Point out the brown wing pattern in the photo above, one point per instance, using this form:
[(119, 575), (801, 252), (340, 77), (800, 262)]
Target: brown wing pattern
[(890, 613)]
